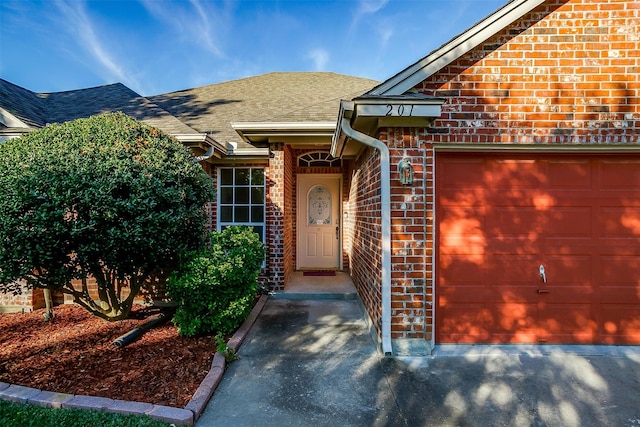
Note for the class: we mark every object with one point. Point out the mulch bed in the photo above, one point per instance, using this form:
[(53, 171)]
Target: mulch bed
[(73, 354)]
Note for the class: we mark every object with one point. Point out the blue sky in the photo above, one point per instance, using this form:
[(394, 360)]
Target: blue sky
[(156, 46)]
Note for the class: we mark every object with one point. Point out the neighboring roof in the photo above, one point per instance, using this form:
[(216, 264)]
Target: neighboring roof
[(74, 104), (37, 109), (22, 110), (291, 97), (455, 48), (24, 105)]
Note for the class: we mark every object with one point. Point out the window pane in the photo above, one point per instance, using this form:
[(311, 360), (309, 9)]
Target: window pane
[(241, 214), (257, 195), (257, 214), (242, 177), (226, 214), (257, 177), (226, 195), (226, 176), (242, 195), (260, 230)]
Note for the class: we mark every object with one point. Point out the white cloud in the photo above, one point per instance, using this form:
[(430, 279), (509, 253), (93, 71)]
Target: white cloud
[(320, 59), (366, 7), (196, 22), (79, 26)]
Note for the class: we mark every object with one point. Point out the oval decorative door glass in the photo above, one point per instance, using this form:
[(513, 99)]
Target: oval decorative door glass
[(319, 207)]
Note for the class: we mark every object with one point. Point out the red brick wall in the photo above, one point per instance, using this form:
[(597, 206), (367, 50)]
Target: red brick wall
[(566, 73), (409, 244), (364, 232), (276, 207)]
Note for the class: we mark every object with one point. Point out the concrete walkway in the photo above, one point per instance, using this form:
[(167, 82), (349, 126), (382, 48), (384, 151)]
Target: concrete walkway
[(313, 363)]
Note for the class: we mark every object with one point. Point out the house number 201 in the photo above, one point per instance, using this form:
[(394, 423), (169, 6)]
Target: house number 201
[(399, 110)]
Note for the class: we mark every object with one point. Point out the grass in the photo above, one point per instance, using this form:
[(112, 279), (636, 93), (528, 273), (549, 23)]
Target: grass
[(14, 415)]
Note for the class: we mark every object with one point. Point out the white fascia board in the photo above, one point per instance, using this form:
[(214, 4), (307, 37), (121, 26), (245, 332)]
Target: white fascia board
[(338, 139), (283, 128), (233, 150), (201, 139), (11, 121), (457, 47)]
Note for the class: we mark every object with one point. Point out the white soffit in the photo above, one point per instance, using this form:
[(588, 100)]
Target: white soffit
[(457, 47)]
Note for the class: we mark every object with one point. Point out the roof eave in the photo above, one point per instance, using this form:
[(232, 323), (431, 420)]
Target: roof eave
[(203, 142), (253, 132), (455, 48)]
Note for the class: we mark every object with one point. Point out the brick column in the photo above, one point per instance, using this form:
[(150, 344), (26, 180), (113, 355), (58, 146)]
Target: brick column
[(276, 217)]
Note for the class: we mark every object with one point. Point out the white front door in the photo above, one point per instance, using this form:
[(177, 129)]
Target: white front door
[(319, 231)]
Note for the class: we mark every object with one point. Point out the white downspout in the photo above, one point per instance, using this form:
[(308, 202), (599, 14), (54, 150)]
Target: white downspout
[(385, 219)]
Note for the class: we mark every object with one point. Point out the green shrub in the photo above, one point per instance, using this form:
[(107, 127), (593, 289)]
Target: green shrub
[(215, 288)]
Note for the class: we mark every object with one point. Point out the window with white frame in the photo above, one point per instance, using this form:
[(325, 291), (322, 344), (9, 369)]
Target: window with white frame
[(241, 198)]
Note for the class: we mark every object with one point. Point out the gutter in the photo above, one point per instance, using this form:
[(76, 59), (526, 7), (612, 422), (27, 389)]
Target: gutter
[(385, 216), (202, 141)]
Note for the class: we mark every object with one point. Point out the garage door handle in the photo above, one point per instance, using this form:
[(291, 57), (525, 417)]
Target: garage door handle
[(543, 291), (543, 274)]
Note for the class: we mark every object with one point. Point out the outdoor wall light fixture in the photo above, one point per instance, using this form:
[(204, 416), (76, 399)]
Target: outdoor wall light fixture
[(405, 170)]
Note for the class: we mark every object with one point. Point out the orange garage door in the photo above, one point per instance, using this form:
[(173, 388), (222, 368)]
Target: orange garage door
[(501, 219)]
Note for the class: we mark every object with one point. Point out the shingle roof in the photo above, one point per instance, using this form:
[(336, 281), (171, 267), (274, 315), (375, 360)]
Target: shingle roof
[(273, 97), (38, 109), (23, 104), (70, 105)]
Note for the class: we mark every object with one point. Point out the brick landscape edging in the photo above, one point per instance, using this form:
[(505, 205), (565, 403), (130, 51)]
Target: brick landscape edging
[(179, 416)]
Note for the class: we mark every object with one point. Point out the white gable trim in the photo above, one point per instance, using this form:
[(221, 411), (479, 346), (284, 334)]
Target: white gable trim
[(454, 49), (11, 121)]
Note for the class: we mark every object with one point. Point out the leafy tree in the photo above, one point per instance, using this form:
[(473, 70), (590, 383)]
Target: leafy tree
[(104, 197)]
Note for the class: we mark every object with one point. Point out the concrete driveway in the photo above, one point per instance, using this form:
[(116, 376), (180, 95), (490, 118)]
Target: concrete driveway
[(313, 363)]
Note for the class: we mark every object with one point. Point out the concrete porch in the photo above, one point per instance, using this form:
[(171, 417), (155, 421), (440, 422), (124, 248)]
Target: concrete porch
[(300, 286)]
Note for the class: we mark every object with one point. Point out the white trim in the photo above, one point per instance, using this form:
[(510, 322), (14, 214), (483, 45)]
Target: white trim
[(233, 150), (218, 218), (11, 121), (250, 130), (457, 47), (283, 126)]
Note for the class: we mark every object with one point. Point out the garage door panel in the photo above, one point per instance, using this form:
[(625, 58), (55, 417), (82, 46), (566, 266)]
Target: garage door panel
[(620, 323), (578, 215), (477, 323), (567, 322), (573, 271), (563, 221), (460, 174), (462, 270), (569, 175), (460, 294), (622, 174), (514, 221), (511, 175), (620, 269), (619, 221)]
